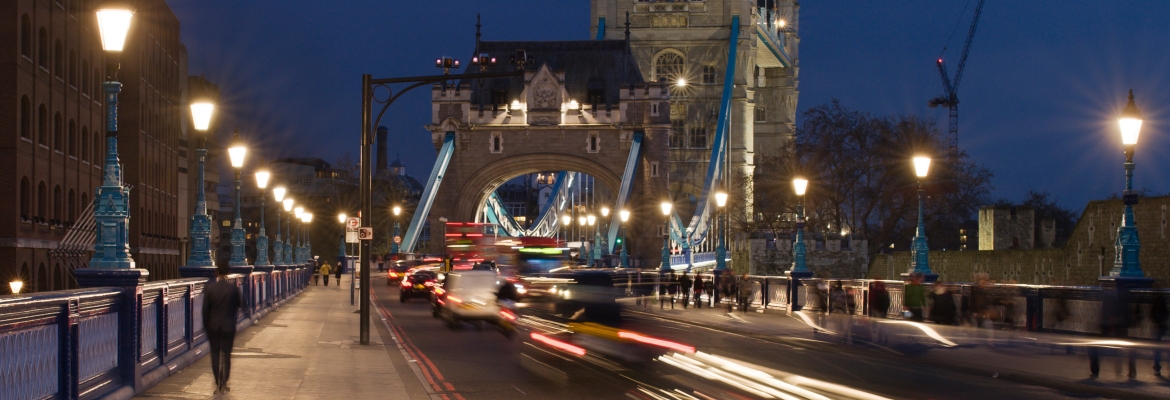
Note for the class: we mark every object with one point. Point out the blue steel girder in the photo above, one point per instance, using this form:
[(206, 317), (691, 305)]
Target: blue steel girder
[(410, 239)]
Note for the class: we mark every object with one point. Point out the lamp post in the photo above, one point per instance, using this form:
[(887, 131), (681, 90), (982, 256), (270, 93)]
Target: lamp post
[(341, 217), (278, 249), (799, 252), (288, 248), (920, 257), (603, 228), (721, 248), (262, 240), (666, 206), (202, 109), (1127, 245), (593, 251), (394, 243), (112, 240), (581, 221), (625, 257), (237, 151), (308, 237), (15, 286), (566, 223), (299, 251)]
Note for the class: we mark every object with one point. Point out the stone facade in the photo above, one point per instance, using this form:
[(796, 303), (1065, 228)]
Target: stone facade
[(831, 258), (1087, 255), (1005, 227)]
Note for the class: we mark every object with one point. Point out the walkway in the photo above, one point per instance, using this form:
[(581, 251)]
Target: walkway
[(307, 349), (1024, 357)]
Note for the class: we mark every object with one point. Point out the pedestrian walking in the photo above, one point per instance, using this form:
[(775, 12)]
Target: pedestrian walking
[(663, 281), (1159, 315), (698, 289), (325, 273), (1116, 317), (316, 274), (672, 288), (745, 293), (839, 301), (879, 300), (684, 288), (942, 308), (337, 273), (221, 303), (915, 297), (727, 290)]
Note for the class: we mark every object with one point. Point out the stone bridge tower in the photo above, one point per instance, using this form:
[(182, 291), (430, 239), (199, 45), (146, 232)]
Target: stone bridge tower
[(688, 41), (577, 108)]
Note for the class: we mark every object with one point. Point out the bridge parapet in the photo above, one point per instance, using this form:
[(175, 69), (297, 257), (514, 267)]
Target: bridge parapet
[(115, 342)]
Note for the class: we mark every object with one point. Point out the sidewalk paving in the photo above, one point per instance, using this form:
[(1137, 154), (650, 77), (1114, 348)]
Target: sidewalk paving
[(1026, 357), (307, 349)]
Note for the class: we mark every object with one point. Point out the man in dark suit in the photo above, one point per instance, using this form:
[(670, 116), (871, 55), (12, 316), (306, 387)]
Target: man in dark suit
[(221, 305)]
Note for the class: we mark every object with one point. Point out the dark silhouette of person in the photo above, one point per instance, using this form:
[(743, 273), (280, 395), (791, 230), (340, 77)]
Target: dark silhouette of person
[(221, 303), (1116, 317)]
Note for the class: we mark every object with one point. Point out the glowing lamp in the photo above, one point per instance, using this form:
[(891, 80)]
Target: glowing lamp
[(262, 178), (237, 151), (341, 218), (114, 24), (921, 166), (801, 185), (721, 198), (666, 205), (201, 111), (625, 215), (279, 192)]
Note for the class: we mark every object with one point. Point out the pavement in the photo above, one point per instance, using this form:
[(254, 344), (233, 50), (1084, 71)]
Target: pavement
[(306, 349), (1043, 359)]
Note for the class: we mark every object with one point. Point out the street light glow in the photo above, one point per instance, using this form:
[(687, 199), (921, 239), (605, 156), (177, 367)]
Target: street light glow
[(625, 215), (681, 82), (721, 198), (237, 151), (201, 115), (1130, 122), (341, 218), (299, 211), (308, 217), (566, 220), (288, 204), (605, 211), (666, 207), (114, 24), (15, 286), (591, 219), (279, 192), (581, 221), (262, 178), (397, 210), (801, 185), (921, 166)]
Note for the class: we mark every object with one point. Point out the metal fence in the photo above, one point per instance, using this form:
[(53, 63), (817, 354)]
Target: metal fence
[(97, 342)]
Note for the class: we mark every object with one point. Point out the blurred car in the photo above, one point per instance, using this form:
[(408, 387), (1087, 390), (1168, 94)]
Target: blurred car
[(417, 284), (398, 270), (468, 296)]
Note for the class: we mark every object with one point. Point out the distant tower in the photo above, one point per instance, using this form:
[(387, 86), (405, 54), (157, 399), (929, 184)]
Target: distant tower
[(689, 42), (381, 166)]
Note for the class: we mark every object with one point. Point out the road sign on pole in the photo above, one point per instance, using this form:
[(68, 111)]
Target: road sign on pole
[(398, 239), (351, 237), (353, 223), (366, 233)]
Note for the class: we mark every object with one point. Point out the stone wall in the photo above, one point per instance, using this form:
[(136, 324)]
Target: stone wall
[(831, 258), (1005, 227), (1087, 255)]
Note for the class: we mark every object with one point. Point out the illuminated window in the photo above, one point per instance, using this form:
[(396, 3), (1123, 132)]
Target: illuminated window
[(708, 74), (669, 67)]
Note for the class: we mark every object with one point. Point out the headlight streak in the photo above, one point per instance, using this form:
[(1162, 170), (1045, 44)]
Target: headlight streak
[(925, 329), (789, 386), (808, 321)]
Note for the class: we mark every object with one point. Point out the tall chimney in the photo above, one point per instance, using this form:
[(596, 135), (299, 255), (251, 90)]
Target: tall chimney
[(381, 166)]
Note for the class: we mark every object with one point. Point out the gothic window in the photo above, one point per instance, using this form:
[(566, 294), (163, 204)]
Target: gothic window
[(57, 134), (678, 130), (72, 138), (761, 114), (97, 146), (43, 125), (42, 205), (84, 143), (708, 74), (25, 36), (653, 109), (594, 144), (654, 169), (497, 142), (698, 137), (669, 67), (25, 118), (57, 202), (43, 48), (72, 68)]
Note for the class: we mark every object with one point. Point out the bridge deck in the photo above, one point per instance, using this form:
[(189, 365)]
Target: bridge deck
[(306, 349)]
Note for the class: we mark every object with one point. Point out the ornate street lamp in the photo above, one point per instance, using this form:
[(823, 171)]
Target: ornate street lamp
[(625, 216), (112, 240), (237, 152), (262, 240), (604, 229), (202, 109), (1127, 245), (581, 222), (394, 243), (278, 249), (299, 252), (341, 217), (721, 248), (666, 206), (308, 236), (288, 204), (566, 223), (593, 255), (799, 251), (919, 258), (15, 286)]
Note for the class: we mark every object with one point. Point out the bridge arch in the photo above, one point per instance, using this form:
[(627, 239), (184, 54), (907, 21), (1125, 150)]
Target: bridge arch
[(487, 179)]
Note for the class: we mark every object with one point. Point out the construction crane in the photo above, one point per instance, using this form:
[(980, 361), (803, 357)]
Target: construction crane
[(951, 97)]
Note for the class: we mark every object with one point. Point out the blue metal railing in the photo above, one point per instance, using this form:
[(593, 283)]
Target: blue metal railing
[(118, 341)]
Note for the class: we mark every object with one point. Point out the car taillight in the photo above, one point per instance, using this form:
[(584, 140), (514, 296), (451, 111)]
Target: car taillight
[(656, 342), (454, 299), (406, 283), (429, 284), (568, 348), (439, 291), (393, 275), (507, 315)]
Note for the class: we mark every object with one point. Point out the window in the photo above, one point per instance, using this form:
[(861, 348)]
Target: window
[(72, 144), (699, 137), (42, 205), (72, 60), (43, 125), (654, 169), (708, 74), (677, 133), (669, 67), (57, 202), (25, 201), (497, 142), (761, 114), (593, 143), (25, 118), (84, 143), (653, 109), (57, 58), (84, 200), (84, 76), (25, 36), (97, 82), (57, 132), (43, 48)]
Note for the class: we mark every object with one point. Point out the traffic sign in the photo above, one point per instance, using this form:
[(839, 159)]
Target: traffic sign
[(353, 223), (366, 233), (351, 237), (398, 239)]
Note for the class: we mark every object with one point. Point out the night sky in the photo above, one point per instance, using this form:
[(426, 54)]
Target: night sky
[(1039, 99)]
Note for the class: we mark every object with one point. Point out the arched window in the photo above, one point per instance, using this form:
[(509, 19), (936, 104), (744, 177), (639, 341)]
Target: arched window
[(57, 202), (43, 125), (25, 36), (85, 76), (72, 138), (71, 206), (57, 139), (669, 67), (42, 278), (25, 118), (25, 198), (43, 48), (72, 61), (84, 143), (58, 55), (42, 200)]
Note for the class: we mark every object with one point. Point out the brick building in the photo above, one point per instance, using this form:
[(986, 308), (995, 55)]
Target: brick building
[(52, 142)]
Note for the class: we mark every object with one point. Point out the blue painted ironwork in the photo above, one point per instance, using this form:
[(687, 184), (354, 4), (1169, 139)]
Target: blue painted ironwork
[(626, 186), (289, 256), (919, 251), (394, 244), (197, 313), (600, 28), (238, 258), (278, 247), (112, 242), (28, 363), (547, 223), (262, 239), (772, 39), (1127, 245), (308, 242), (97, 345), (201, 222), (429, 192), (799, 251)]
